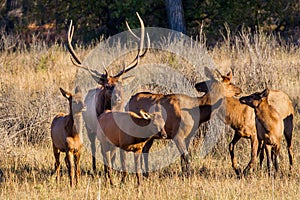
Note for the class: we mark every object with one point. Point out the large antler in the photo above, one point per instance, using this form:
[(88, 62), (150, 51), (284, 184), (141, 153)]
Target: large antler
[(76, 60), (96, 75), (141, 52)]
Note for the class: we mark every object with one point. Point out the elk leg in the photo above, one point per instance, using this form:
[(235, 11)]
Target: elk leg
[(57, 163), (261, 153), (187, 143), (275, 153), (234, 163), (254, 149), (123, 163), (185, 161), (288, 134), (274, 159), (77, 166), (269, 159), (70, 161), (106, 161), (113, 155), (92, 138), (137, 161), (182, 163), (109, 168), (146, 150)]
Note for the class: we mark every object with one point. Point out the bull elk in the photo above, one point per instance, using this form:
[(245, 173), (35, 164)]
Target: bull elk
[(130, 132), (66, 136), (270, 121), (185, 113), (109, 93), (241, 118)]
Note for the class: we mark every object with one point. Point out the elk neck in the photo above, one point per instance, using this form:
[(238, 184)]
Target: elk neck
[(266, 113), (102, 103), (208, 104), (73, 119), (70, 129), (233, 112), (262, 108), (77, 117)]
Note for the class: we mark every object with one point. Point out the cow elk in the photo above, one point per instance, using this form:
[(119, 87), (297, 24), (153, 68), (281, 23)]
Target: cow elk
[(270, 121), (185, 113), (109, 93), (130, 132), (66, 136), (241, 118)]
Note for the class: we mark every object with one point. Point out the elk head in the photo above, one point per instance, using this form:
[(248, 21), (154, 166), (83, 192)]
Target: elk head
[(255, 99), (111, 84), (218, 83), (75, 101), (157, 120)]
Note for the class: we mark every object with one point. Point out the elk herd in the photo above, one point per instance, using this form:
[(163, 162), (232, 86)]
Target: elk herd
[(263, 117)]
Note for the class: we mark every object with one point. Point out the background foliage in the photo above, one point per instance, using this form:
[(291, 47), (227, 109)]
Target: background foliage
[(94, 18)]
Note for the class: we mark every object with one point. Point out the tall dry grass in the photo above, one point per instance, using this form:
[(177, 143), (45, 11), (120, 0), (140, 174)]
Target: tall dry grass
[(29, 98)]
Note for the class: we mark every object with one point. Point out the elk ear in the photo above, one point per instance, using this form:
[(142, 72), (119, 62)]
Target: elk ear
[(213, 74), (77, 89), (65, 93), (144, 114), (228, 77), (127, 80), (264, 93), (229, 74)]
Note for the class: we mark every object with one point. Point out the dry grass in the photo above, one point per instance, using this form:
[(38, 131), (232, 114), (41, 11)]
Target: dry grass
[(29, 98), (28, 177)]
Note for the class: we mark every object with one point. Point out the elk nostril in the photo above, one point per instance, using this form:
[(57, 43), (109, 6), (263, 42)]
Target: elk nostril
[(118, 98), (83, 108), (163, 134)]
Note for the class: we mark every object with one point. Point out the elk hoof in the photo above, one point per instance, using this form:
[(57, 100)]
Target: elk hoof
[(246, 172), (238, 173), (91, 174), (2, 177), (146, 174)]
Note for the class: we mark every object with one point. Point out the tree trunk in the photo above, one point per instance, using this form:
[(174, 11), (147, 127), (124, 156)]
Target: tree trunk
[(175, 15), (11, 17)]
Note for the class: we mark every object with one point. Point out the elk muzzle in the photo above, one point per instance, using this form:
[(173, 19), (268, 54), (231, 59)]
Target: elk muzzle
[(246, 100), (163, 134)]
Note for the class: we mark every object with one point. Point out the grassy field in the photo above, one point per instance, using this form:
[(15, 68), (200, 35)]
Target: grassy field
[(29, 99)]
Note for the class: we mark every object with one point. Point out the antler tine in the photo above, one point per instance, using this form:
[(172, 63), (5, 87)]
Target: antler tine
[(142, 32), (70, 47), (91, 71), (138, 38), (75, 59), (141, 53), (146, 49), (128, 27), (106, 72), (77, 64), (135, 62)]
